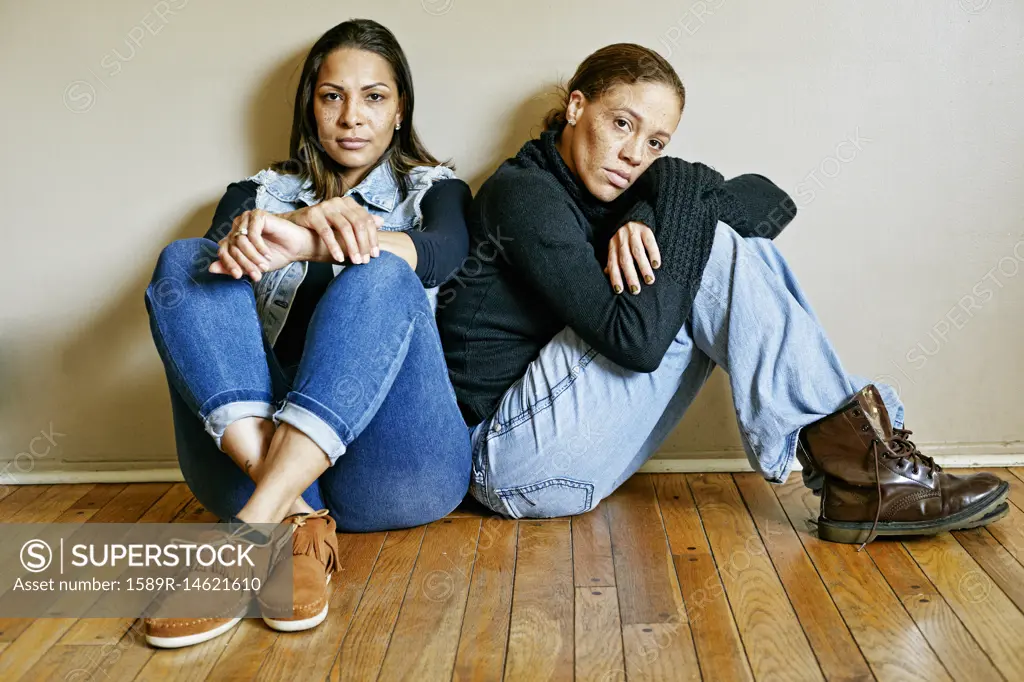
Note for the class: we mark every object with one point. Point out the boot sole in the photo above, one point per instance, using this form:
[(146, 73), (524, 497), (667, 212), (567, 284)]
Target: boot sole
[(984, 511)]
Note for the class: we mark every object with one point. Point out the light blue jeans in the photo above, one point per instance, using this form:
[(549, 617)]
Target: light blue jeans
[(577, 425)]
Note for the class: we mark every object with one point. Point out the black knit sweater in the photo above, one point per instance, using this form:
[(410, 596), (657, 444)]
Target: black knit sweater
[(538, 245)]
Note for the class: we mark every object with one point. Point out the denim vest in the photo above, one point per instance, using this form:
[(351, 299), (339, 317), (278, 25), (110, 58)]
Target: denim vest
[(378, 193)]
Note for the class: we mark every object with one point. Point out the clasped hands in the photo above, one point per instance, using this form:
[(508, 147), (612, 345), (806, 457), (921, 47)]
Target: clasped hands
[(338, 230)]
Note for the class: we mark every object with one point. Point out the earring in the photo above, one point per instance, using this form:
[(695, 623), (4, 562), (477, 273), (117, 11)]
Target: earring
[(398, 125), (572, 121)]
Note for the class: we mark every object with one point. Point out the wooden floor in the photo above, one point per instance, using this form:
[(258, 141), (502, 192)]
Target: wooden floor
[(675, 577)]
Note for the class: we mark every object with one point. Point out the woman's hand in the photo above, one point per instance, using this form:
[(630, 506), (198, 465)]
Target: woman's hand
[(262, 242), (341, 221), (632, 247)]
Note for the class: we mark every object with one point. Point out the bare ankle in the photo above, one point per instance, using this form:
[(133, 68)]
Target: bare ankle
[(246, 441)]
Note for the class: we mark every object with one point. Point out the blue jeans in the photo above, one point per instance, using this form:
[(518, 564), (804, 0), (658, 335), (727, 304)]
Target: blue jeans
[(371, 389), (577, 425)]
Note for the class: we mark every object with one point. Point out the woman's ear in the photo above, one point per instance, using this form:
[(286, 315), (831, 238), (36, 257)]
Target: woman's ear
[(575, 106)]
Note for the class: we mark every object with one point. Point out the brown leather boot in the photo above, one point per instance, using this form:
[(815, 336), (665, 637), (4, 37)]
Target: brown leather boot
[(873, 471)]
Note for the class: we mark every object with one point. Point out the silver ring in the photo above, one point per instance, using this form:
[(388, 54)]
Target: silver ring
[(242, 231)]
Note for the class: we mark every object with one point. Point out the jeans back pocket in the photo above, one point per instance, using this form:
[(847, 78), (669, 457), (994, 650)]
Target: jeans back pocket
[(549, 498)]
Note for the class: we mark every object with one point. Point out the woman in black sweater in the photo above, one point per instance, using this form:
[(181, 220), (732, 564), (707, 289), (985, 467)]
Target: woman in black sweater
[(570, 383)]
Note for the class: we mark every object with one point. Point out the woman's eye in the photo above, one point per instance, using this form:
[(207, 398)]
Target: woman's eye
[(657, 145), (375, 97), (328, 96), (622, 123)]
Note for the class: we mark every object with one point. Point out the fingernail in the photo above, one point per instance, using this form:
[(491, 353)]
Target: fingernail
[(265, 266), (649, 279), (376, 252), (618, 289), (655, 264), (635, 289)]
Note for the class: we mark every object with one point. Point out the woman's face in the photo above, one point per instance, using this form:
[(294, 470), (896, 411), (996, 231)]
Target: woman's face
[(618, 134), (357, 107)]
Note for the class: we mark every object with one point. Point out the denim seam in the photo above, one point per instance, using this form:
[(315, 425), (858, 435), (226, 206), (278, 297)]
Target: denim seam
[(547, 401), (156, 320), (788, 453), (395, 366)]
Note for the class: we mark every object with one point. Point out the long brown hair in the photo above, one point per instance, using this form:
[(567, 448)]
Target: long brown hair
[(621, 63), (308, 159)]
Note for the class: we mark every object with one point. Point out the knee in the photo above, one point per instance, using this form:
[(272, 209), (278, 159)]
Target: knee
[(180, 261), (183, 256), (385, 278)]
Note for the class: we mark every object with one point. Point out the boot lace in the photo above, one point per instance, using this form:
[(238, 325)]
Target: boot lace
[(904, 451)]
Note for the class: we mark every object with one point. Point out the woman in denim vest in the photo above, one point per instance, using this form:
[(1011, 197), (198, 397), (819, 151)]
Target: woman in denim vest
[(306, 375)]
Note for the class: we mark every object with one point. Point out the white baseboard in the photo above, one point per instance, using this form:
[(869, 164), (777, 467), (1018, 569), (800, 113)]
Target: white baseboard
[(160, 472), (732, 464)]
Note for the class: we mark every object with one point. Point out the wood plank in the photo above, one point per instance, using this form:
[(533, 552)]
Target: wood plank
[(72, 663), (124, 659), (715, 635), (366, 643), (485, 627), (708, 614), (644, 575), (950, 640), (592, 549), (51, 504), (988, 614), (182, 665), (887, 636), (1018, 473), (541, 639), (598, 636), (122, 507), (78, 663), (998, 563), (426, 637), (22, 495), (1009, 531), (775, 643), (169, 505), (196, 513), (247, 649), (310, 657), (32, 642), (130, 504), (830, 639), (150, 503), (89, 504), (6, 489), (656, 638)]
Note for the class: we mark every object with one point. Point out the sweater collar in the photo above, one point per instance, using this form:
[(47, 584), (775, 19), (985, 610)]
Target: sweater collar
[(544, 152)]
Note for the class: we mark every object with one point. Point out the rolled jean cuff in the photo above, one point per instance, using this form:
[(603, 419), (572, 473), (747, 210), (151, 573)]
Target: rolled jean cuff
[(222, 417), (315, 428)]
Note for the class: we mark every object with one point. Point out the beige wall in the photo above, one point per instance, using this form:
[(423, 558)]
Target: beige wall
[(898, 129)]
